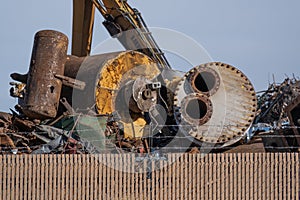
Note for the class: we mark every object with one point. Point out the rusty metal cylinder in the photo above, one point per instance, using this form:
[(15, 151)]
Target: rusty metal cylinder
[(48, 59)]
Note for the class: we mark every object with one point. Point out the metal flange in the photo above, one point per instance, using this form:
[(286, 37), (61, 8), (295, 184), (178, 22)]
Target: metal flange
[(232, 98), (196, 109), (204, 80)]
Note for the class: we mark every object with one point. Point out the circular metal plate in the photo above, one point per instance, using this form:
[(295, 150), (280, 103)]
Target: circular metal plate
[(233, 101)]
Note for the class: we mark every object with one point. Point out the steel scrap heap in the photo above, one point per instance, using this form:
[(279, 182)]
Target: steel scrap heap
[(278, 116), (124, 100), (133, 100)]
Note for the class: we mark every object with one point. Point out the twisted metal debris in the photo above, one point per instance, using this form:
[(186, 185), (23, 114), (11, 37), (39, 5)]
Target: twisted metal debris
[(278, 116), (132, 100)]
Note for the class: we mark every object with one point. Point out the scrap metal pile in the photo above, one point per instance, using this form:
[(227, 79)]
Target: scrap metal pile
[(278, 116), (133, 100), (20, 135), (123, 99), (277, 121)]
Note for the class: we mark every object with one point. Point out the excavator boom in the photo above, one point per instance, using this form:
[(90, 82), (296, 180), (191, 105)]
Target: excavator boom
[(83, 22), (122, 22)]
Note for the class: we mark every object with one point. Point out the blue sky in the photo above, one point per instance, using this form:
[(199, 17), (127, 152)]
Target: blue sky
[(260, 37)]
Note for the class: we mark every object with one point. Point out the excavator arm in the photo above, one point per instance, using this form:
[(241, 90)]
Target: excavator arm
[(121, 21), (83, 22)]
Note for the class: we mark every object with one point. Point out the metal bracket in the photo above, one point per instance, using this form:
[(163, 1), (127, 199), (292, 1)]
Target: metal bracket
[(74, 83)]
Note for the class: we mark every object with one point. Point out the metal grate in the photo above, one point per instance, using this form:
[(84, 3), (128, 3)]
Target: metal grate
[(171, 176)]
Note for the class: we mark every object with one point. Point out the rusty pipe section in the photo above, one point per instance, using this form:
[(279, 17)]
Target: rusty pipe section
[(204, 80), (43, 89), (104, 75), (196, 109), (87, 70)]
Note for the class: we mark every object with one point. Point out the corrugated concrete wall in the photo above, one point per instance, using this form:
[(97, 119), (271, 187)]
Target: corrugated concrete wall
[(172, 176)]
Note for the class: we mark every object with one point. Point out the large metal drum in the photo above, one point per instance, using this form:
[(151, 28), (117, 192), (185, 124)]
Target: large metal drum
[(43, 89)]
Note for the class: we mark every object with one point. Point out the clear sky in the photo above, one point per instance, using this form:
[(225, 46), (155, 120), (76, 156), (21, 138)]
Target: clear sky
[(260, 37)]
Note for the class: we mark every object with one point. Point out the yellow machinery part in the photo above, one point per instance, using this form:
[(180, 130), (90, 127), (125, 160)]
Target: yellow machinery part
[(83, 23), (127, 66)]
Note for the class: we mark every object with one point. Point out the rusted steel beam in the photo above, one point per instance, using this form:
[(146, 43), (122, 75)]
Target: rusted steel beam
[(76, 84)]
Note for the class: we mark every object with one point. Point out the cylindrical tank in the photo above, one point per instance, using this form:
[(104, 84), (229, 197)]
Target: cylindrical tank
[(43, 89), (105, 77)]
